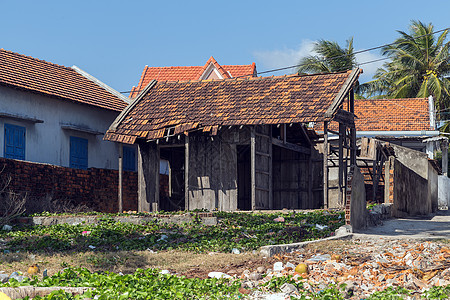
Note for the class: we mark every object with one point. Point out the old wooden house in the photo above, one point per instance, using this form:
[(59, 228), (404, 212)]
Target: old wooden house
[(241, 143)]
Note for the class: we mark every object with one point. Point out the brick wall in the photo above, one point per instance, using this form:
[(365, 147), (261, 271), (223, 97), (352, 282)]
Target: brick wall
[(95, 188)]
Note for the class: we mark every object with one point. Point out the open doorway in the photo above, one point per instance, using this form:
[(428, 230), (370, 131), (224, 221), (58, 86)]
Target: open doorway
[(244, 178), (171, 187)]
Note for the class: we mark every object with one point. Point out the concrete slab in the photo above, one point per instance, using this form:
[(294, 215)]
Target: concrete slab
[(435, 226), (271, 250)]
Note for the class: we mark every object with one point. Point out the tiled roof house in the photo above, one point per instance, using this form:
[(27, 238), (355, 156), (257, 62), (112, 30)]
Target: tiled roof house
[(227, 139), (211, 70), (55, 114), (405, 121)]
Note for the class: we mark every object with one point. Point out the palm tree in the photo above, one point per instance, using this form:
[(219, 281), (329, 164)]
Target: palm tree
[(330, 57), (419, 66)]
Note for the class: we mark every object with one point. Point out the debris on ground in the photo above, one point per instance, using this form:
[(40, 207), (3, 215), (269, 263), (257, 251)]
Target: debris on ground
[(364, 267)]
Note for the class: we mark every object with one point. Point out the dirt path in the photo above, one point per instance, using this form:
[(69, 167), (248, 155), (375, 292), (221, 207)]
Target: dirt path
[(436, 226)]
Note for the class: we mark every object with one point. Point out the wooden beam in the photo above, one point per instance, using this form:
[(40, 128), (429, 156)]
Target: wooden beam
[(253, 167), (345, 117), (120, 178), (341, 163), (290, 146), (346, 87), (325, 164)]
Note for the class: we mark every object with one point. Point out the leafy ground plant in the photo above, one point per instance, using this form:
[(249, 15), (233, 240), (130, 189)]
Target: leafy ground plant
[(244, 231), (143, 284)]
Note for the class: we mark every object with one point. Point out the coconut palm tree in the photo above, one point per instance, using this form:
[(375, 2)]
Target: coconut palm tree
[(419, 66), (330, 57)]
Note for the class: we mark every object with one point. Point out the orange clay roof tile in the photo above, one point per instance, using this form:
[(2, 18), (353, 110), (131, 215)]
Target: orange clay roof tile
[(189, 73), (39, 76), (250, 101), (411, 114)]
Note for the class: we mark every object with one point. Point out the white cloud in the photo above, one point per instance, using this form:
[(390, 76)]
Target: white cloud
[(274, 59), (268, 60), (370, 68)]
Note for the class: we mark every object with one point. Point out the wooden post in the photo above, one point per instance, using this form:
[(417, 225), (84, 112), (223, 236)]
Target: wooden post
[(310, 180), (444, 157), (120, 178), (342, 136), (143, 204), (186, 172), (253, 167), (270, 170), (156, 204), (387, 175), (325, 164)]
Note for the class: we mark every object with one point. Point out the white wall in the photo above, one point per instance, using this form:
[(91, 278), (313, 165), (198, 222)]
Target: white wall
[(47, 142)]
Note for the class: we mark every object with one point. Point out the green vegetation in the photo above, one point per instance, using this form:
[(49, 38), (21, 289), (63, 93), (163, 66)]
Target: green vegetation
[(143, 284), (243, 231), (150, 284), (330, 57), (419, 66)]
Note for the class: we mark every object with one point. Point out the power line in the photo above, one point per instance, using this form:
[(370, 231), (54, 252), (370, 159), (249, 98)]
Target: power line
[(336, 57)]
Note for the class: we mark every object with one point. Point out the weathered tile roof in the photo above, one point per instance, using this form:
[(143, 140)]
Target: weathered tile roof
[(39, 76), (410, 114), (189, 73), (207, 104)]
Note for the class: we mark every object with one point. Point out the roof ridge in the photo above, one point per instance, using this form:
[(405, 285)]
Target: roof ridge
[(34, 58), (100, 83)]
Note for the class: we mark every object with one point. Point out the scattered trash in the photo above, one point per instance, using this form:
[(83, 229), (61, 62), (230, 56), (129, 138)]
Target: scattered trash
[(7, 227), (320, 257), (92, 247), (218, 275), (151, 251), (86, 233), (279, 219), (321, 227), (278, 266), (235, 251), (163, 238), (164, 272)]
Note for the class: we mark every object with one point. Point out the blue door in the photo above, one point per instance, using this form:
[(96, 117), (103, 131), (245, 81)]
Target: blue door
[(14, 142), (78, 153), (129, 158)]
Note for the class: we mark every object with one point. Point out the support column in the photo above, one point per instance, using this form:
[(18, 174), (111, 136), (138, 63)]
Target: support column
[(342, 137), (444, 148), (120, 178), (186, 172), (148, 176), (252, 167), (325, 165)]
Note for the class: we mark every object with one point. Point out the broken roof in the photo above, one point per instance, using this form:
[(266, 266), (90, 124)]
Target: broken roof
[(191, 73), (207, 104), (410, 114), (42, 77)]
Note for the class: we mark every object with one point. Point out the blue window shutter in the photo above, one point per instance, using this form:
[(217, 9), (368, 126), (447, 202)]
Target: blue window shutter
[(129, 158), (14, 141), (78, 153)]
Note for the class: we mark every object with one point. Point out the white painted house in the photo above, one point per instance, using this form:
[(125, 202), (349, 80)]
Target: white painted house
[(57, 115)]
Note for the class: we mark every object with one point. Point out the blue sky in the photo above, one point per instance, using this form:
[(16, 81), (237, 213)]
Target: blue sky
[(114, 40)]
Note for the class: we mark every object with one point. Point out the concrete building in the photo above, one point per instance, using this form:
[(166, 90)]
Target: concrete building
[(56, 115), (239, 143)]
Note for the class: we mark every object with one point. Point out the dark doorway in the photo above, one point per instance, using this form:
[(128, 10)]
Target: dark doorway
[(171, 187), (244, 178)]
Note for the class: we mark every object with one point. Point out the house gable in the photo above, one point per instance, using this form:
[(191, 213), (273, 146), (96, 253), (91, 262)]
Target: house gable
[(211, 70)]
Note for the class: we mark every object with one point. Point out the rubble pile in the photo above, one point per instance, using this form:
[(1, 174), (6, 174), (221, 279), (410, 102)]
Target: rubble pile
[(364, 267)]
